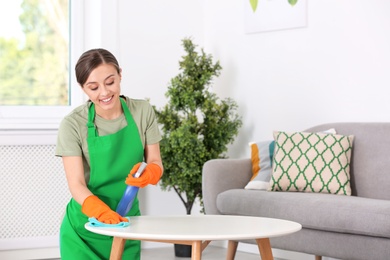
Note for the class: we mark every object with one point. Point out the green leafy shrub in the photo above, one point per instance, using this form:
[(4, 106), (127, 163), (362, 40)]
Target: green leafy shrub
[(196, 125)]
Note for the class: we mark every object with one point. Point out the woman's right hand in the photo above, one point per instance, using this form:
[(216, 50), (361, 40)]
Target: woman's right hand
[(94, 207)]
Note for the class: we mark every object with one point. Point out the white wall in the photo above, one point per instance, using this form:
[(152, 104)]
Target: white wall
[(149, 43), (335, 69), (149, 48)]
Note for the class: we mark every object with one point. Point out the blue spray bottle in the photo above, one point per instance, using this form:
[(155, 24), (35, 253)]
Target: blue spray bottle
[(128, 196)]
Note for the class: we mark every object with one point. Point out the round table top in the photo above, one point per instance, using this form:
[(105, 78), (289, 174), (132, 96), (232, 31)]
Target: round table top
[(200, 227)]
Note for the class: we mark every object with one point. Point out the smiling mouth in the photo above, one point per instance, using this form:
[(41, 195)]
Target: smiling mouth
[(106, 100)]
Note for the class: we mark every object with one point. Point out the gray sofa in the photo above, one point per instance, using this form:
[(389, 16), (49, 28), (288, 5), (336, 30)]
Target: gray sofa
[(337, 226)]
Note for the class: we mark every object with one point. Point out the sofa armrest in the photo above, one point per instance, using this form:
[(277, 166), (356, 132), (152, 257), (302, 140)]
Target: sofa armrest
[(219, 175)]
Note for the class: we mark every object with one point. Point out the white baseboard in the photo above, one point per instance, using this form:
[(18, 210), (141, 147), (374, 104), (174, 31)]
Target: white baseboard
[(36, 253)]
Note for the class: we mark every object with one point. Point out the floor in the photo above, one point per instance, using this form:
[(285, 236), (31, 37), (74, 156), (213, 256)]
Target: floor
[(210, 253)]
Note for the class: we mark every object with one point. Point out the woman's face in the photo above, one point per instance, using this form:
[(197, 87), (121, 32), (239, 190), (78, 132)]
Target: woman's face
[(103, 89)]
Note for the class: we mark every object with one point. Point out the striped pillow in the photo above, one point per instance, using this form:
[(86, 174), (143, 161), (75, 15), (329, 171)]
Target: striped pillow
[(261, 157)]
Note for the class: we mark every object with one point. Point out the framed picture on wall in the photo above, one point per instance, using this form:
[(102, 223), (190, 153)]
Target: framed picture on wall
[(272, 15)]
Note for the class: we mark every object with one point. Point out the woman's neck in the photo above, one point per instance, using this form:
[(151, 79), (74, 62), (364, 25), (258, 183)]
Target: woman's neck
[(110, 114)]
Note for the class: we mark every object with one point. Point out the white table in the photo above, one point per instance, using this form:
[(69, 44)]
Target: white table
[(198, 231)]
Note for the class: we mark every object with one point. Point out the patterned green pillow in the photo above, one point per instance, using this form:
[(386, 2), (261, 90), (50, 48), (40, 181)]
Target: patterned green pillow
[(311, 162)]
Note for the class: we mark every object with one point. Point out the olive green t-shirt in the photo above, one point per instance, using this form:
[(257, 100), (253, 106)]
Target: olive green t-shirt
[(73, 131)]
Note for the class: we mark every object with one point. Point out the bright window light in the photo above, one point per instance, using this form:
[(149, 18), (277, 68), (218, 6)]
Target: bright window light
[(35, 57)]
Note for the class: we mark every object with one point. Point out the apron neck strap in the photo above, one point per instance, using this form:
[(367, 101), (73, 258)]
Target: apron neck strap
[(91, 118), (126, 110)]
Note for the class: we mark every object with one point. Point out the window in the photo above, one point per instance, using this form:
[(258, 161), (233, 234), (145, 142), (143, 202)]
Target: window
[(36, 49)]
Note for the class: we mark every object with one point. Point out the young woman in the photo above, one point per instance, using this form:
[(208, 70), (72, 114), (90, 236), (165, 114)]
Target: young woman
[(102, 144)]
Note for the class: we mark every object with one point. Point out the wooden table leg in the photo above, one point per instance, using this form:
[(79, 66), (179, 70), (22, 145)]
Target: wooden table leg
[(232, 249), (196, 253), (118, 244), (265, 248)]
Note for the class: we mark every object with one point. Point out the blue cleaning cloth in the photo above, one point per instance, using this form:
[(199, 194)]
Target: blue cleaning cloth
[(93, 222)]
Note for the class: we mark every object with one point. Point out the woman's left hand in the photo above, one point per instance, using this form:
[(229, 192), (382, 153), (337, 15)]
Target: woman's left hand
[(151, 175)]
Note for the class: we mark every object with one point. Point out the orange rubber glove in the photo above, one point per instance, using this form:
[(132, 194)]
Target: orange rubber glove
[(94, 207), (151, 175)]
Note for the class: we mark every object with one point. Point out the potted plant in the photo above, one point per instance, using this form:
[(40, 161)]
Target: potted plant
[(196, 125)]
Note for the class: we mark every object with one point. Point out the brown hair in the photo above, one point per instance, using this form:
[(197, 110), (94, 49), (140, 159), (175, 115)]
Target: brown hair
[(90, 60)]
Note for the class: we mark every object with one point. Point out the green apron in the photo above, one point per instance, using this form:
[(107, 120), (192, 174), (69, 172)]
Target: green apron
[(111, 159)]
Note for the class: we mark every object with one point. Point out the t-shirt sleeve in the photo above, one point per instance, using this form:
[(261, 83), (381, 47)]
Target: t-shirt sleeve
[(68, 139), (152, 131)]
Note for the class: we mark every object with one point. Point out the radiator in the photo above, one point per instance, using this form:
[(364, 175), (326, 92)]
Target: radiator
[(34, 191)]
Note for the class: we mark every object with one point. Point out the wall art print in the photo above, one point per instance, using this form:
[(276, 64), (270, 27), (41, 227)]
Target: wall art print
[(272, 15)]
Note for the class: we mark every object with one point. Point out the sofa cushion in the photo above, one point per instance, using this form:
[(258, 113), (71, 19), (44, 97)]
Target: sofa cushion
[(311, 162), (328, 212)]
